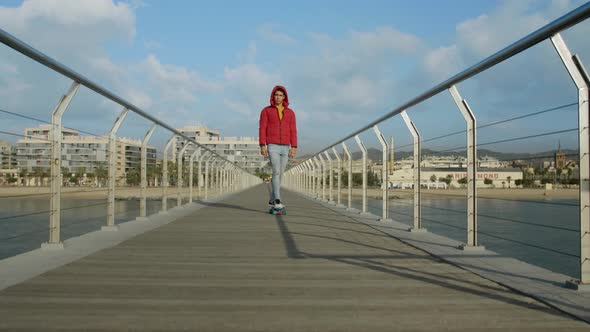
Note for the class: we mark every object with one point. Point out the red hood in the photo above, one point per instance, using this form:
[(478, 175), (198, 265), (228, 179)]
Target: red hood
[(272, 100)]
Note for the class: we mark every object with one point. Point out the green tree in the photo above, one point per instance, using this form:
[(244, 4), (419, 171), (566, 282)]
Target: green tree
[(133, 176), (509, 178), (11, 179), (357, 179), (487, 181), (102, 174), (433, 178), (518, 182), (463, 180), (38, 175), (447, 180), (80, 174)]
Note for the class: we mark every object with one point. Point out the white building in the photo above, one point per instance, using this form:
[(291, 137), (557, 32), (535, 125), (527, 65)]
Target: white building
[(78, 152), (499, 177), (242, 151), (450, 162), (7, 156)]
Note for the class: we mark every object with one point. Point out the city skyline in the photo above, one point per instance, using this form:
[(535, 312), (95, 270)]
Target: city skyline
[(344, 67)]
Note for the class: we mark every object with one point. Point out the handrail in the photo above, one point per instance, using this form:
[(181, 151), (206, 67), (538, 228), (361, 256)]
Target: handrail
[(27, 50), (572, 18)]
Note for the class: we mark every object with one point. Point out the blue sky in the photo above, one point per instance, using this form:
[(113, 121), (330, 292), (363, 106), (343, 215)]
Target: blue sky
[(345, 63)]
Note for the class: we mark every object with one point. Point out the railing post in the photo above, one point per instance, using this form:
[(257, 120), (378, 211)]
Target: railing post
[(339, 199), (55, 136), (110, 226), (207, 176), (331, 178), (200, 178), (323, 164), (305, 176), (579, 75), (383, 173), (165, 176), (472, 241), (143, 169), (311, 165), (190, 183), (364, 152), (417, 174), (179, 166), (318, 175), (349, 175)]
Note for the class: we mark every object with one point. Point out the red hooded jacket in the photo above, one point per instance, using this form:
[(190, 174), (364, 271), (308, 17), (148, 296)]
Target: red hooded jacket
[(272, 130)]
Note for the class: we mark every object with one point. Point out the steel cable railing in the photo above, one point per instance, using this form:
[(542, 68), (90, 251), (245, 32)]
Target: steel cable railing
[(557, 108), (308, 175)]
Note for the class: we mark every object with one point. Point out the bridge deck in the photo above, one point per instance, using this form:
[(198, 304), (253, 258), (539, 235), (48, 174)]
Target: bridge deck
[(231, 266)]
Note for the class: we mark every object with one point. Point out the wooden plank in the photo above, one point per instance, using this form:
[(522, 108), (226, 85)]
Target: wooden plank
[(233, 267)]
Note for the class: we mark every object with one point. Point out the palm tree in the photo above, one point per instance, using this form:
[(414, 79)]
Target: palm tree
[(24, 174), (38, 175), (101, 174), (509, 178), (80, 174)]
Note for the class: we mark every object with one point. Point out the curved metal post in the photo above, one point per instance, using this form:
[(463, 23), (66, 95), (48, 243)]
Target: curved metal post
[(364, 152), (349, 158), (179, 166), (339, 199), (579, 75), (323, 163), (207, 176), (143, 169), (331, 178), (310, 176), (190, 182), (311, 168), (201, 180), (113, 172), (383, 173), (55, 136), (472, 242), (165, 177), (318, 175), (417, 174)]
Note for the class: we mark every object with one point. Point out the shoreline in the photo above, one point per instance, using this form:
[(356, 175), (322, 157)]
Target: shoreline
[(122, 193), (513, 193), (155, 193)]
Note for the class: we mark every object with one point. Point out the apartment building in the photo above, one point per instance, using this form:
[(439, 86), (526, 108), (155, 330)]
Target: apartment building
[(242, 151), (78, 152)]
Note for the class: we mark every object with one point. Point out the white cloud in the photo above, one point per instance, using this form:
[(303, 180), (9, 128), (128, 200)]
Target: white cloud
[(443, 62), (248, 55), (237, 107), (70, 23), (138, 98), (268, 32), (250, 83)]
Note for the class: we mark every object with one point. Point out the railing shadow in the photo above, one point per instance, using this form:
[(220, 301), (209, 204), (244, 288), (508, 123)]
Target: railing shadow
[(370, 261)]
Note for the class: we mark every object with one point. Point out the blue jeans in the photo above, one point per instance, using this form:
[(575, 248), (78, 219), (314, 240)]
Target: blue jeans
[(279, 156)]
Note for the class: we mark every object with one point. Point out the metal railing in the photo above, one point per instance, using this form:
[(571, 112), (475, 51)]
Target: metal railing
[(310, 176), (215, 174)]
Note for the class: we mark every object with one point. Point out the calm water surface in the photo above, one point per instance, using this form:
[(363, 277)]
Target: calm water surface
[(554, 246)]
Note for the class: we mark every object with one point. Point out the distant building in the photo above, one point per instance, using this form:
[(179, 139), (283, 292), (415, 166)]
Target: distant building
[(450, 162), (242, 151), (500, 177), (78, 152), (7, 156)]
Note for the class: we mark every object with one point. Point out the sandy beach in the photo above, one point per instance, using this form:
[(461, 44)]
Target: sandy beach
[(515, 193)]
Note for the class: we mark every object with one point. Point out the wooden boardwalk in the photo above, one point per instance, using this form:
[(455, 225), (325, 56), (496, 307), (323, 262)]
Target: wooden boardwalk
[(233, 267)]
